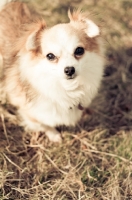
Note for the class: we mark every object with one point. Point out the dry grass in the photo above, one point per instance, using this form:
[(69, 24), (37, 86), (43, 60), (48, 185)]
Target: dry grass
[(94, 161)]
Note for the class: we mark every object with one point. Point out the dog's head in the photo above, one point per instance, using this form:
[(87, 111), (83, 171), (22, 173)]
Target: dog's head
[(64, 52)]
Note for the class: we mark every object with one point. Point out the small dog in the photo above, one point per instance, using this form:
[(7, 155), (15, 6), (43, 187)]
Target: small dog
[(50, 74)]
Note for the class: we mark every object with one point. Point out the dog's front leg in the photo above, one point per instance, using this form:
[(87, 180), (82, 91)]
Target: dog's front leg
[(53, 135), (32, 124)]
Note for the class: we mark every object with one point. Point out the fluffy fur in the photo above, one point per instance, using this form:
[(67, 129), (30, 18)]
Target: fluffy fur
[(38, 87)]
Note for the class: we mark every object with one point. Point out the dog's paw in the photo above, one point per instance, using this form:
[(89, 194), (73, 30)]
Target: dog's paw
[(54, 136)]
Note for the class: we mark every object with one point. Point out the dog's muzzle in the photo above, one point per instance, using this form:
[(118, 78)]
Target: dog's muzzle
[(70, 72)]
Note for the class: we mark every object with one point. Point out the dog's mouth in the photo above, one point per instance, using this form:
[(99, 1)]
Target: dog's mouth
[(71, 77)]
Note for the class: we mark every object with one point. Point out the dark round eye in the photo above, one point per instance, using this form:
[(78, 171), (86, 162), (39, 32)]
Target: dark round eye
[(79, 51), (51, 56)]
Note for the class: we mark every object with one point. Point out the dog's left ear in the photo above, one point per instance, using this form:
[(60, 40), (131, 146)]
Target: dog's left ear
[(90, 28)]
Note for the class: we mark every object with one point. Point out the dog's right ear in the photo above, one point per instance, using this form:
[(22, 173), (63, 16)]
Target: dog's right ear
[(33, 40), (31, 43)]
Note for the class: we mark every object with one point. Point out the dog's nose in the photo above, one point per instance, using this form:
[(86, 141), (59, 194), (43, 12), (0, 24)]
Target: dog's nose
[(69, 71)]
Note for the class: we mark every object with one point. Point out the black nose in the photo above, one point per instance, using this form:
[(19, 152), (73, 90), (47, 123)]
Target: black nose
[(69, 71)]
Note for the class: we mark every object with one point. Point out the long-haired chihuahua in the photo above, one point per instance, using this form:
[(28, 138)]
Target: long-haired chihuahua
[(50, 74)]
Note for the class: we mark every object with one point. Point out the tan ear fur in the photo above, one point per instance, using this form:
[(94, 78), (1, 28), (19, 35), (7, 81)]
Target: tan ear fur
[(90, 28), (31, 43), (29, 39), (76, 15), (33, 40)]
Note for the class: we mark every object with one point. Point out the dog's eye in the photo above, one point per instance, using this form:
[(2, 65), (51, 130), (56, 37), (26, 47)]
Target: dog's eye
[(79, 51), (51, 56)]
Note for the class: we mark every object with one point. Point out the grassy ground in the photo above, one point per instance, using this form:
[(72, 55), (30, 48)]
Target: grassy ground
[(94, 161)]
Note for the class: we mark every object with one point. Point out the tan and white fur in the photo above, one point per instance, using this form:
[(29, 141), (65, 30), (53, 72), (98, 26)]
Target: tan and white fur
[(46, 97)]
